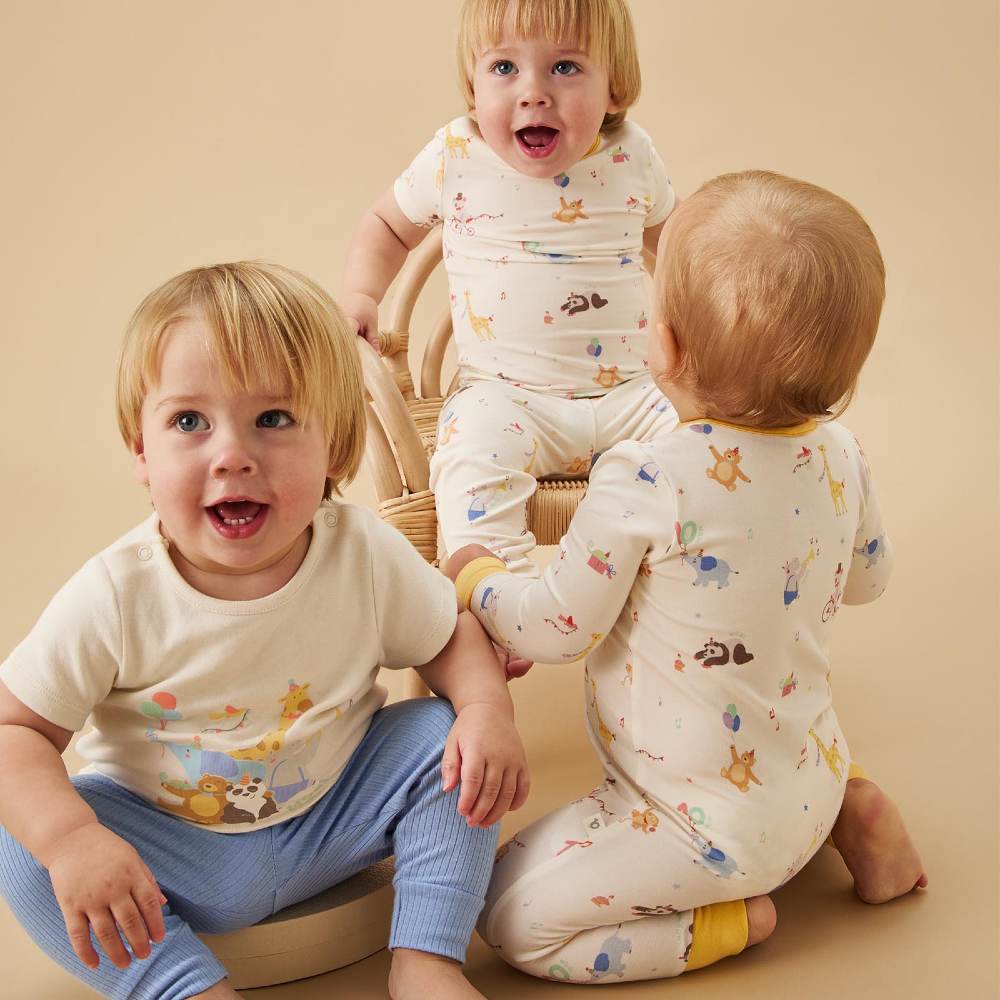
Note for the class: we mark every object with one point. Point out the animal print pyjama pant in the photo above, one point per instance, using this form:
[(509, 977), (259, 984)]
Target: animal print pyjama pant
[(604, 890), (496, 440), (387, 800)]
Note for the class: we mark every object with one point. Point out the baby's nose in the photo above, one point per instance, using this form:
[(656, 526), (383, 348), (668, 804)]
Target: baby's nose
[(233, 457)]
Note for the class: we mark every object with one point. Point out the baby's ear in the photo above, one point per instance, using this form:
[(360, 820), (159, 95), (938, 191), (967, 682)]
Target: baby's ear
[(141, 472), (668, 344)]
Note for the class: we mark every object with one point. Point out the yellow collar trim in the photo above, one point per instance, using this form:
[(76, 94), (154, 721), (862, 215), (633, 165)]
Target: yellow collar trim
[(594, 146), (796, 431)]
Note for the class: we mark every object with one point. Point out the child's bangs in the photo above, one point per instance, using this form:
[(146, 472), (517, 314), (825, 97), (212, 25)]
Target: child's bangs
[(264, 345), (251, 355), (578, 23)]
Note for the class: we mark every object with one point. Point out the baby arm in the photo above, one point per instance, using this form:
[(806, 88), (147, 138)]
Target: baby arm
[(98, 879), (564, 614), (483, 749), (872, 559), (382, 240)]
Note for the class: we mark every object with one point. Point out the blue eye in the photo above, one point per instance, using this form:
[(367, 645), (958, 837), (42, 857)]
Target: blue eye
[(272, 419), (190, 421), (565, 68), (503, 67)]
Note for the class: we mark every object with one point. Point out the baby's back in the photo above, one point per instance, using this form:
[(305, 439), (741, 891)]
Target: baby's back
[(724, 703)]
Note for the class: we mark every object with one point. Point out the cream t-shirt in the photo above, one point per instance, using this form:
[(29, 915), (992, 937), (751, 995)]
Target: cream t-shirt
[(232, 714), (545, 275)]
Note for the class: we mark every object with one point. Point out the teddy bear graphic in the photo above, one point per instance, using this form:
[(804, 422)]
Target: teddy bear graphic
[(727, 469), (204, 803)]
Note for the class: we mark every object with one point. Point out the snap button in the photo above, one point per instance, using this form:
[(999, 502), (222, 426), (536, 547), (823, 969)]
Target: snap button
[(145, 553), (330, 517)]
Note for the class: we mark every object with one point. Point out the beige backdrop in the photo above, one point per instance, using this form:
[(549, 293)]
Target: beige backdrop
[(143, 138)]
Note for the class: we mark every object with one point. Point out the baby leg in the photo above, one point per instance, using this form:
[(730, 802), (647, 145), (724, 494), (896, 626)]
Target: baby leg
[(494, 442), (874, 843), (635, 411), (212, 883), (608, 890), (388, 800)]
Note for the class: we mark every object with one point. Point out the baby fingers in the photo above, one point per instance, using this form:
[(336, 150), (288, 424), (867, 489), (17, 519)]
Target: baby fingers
[(504, 798), (106, 931), (133, 925), (78, 932)]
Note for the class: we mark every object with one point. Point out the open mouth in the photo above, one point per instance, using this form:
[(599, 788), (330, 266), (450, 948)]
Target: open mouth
[(537, 141), (237, 518)]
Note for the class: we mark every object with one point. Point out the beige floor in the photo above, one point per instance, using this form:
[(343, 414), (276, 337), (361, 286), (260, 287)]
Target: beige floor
[(144, 138)]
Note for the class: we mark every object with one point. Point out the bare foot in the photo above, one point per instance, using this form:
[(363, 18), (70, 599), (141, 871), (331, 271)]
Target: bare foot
[(761, 919), (872, 840), (417, 975), (514, 666)]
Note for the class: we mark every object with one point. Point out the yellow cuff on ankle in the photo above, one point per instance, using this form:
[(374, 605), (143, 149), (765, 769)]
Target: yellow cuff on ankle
[(473, 573), (720, 930)]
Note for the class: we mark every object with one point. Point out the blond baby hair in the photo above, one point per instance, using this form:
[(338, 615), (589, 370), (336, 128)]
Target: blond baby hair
[(773, 288), (273, 331), (602, 28)]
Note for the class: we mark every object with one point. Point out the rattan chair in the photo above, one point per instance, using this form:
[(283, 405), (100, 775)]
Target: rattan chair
[(402, 424)]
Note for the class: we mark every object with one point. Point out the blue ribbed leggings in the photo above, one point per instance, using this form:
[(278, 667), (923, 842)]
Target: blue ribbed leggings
[(388, 800)]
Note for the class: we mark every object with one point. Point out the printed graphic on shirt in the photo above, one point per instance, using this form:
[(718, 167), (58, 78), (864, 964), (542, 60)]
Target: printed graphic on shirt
[(796, 570), (872, 549), (709, 569), (833, 603), (569, 211), (836, 488), (740, 769), (831, 754), (717, 654), (241, 785), (727, 469)]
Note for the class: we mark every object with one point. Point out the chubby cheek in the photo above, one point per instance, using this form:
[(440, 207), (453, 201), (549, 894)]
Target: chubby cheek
[(298, 496), (174, 494), (300, 489), (493, 128)]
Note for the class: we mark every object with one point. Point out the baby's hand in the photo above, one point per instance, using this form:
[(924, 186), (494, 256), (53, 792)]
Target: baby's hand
[(362, 311), (485, 752), (458, 560), (100, 881)]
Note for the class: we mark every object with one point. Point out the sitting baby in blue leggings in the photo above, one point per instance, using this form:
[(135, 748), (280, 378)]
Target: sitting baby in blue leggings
[(225, 652)]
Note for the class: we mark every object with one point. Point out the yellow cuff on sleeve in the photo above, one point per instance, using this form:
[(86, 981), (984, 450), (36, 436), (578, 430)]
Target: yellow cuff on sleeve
[(473, 573), (720, 930)]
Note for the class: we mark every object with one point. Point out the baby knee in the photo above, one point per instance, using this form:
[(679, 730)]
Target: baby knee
[(515, 940)]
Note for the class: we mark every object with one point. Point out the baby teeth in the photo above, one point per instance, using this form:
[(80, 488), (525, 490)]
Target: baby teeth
[(237, 520)]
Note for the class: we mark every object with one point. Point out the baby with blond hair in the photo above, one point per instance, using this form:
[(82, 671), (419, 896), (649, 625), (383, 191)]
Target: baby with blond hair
[(225, 653), (700, 578), (547, 196)]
